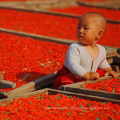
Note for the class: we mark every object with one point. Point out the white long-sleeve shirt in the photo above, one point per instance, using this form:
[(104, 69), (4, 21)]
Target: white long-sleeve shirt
[(79, 61)]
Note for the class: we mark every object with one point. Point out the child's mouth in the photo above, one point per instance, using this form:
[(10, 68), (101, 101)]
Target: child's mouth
[(81, 37)]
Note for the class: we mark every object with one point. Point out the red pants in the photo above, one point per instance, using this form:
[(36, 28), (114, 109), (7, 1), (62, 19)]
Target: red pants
[(65, 77)]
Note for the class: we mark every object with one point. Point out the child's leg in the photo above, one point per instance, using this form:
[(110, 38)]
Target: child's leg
[(64, 77), (64, 80)]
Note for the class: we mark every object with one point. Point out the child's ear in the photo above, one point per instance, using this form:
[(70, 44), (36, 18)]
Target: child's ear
[(99, 35)]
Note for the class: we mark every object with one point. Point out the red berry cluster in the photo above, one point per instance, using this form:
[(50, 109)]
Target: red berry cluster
[(80, 10), (23, 59), (53, 26), (49, 107), (112, 85)]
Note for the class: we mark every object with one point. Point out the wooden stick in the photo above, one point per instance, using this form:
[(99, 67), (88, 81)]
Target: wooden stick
[(111, 51), (76, 89), (116, 59), (49, 91), (24, 95), (96, 5), (90, 81), (31, 86), (1, 77), (110, 60), (4, 84), (53, 13), (116, 68), (3, 94)]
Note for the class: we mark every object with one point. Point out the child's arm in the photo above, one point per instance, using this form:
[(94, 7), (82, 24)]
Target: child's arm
[(72, 62), (104, 65), (109, 71)]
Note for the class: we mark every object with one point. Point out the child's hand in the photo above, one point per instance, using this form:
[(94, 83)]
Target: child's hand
[(111, 72), (91, 76), (94, 75)]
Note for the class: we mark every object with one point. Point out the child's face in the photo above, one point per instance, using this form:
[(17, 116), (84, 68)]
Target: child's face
[(87, 30)]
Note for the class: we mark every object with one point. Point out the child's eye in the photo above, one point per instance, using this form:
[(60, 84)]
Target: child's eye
[(78, 27), (86, 28)]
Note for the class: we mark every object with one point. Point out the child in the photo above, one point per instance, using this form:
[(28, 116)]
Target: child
[(85, 57)]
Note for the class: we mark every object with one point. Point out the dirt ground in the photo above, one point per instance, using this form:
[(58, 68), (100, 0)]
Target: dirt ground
[(48, 4)]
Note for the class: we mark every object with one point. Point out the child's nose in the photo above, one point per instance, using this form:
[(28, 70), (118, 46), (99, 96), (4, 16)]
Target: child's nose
[(81, 30)]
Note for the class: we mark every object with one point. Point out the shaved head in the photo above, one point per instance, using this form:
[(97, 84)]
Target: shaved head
[(97, 18)]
